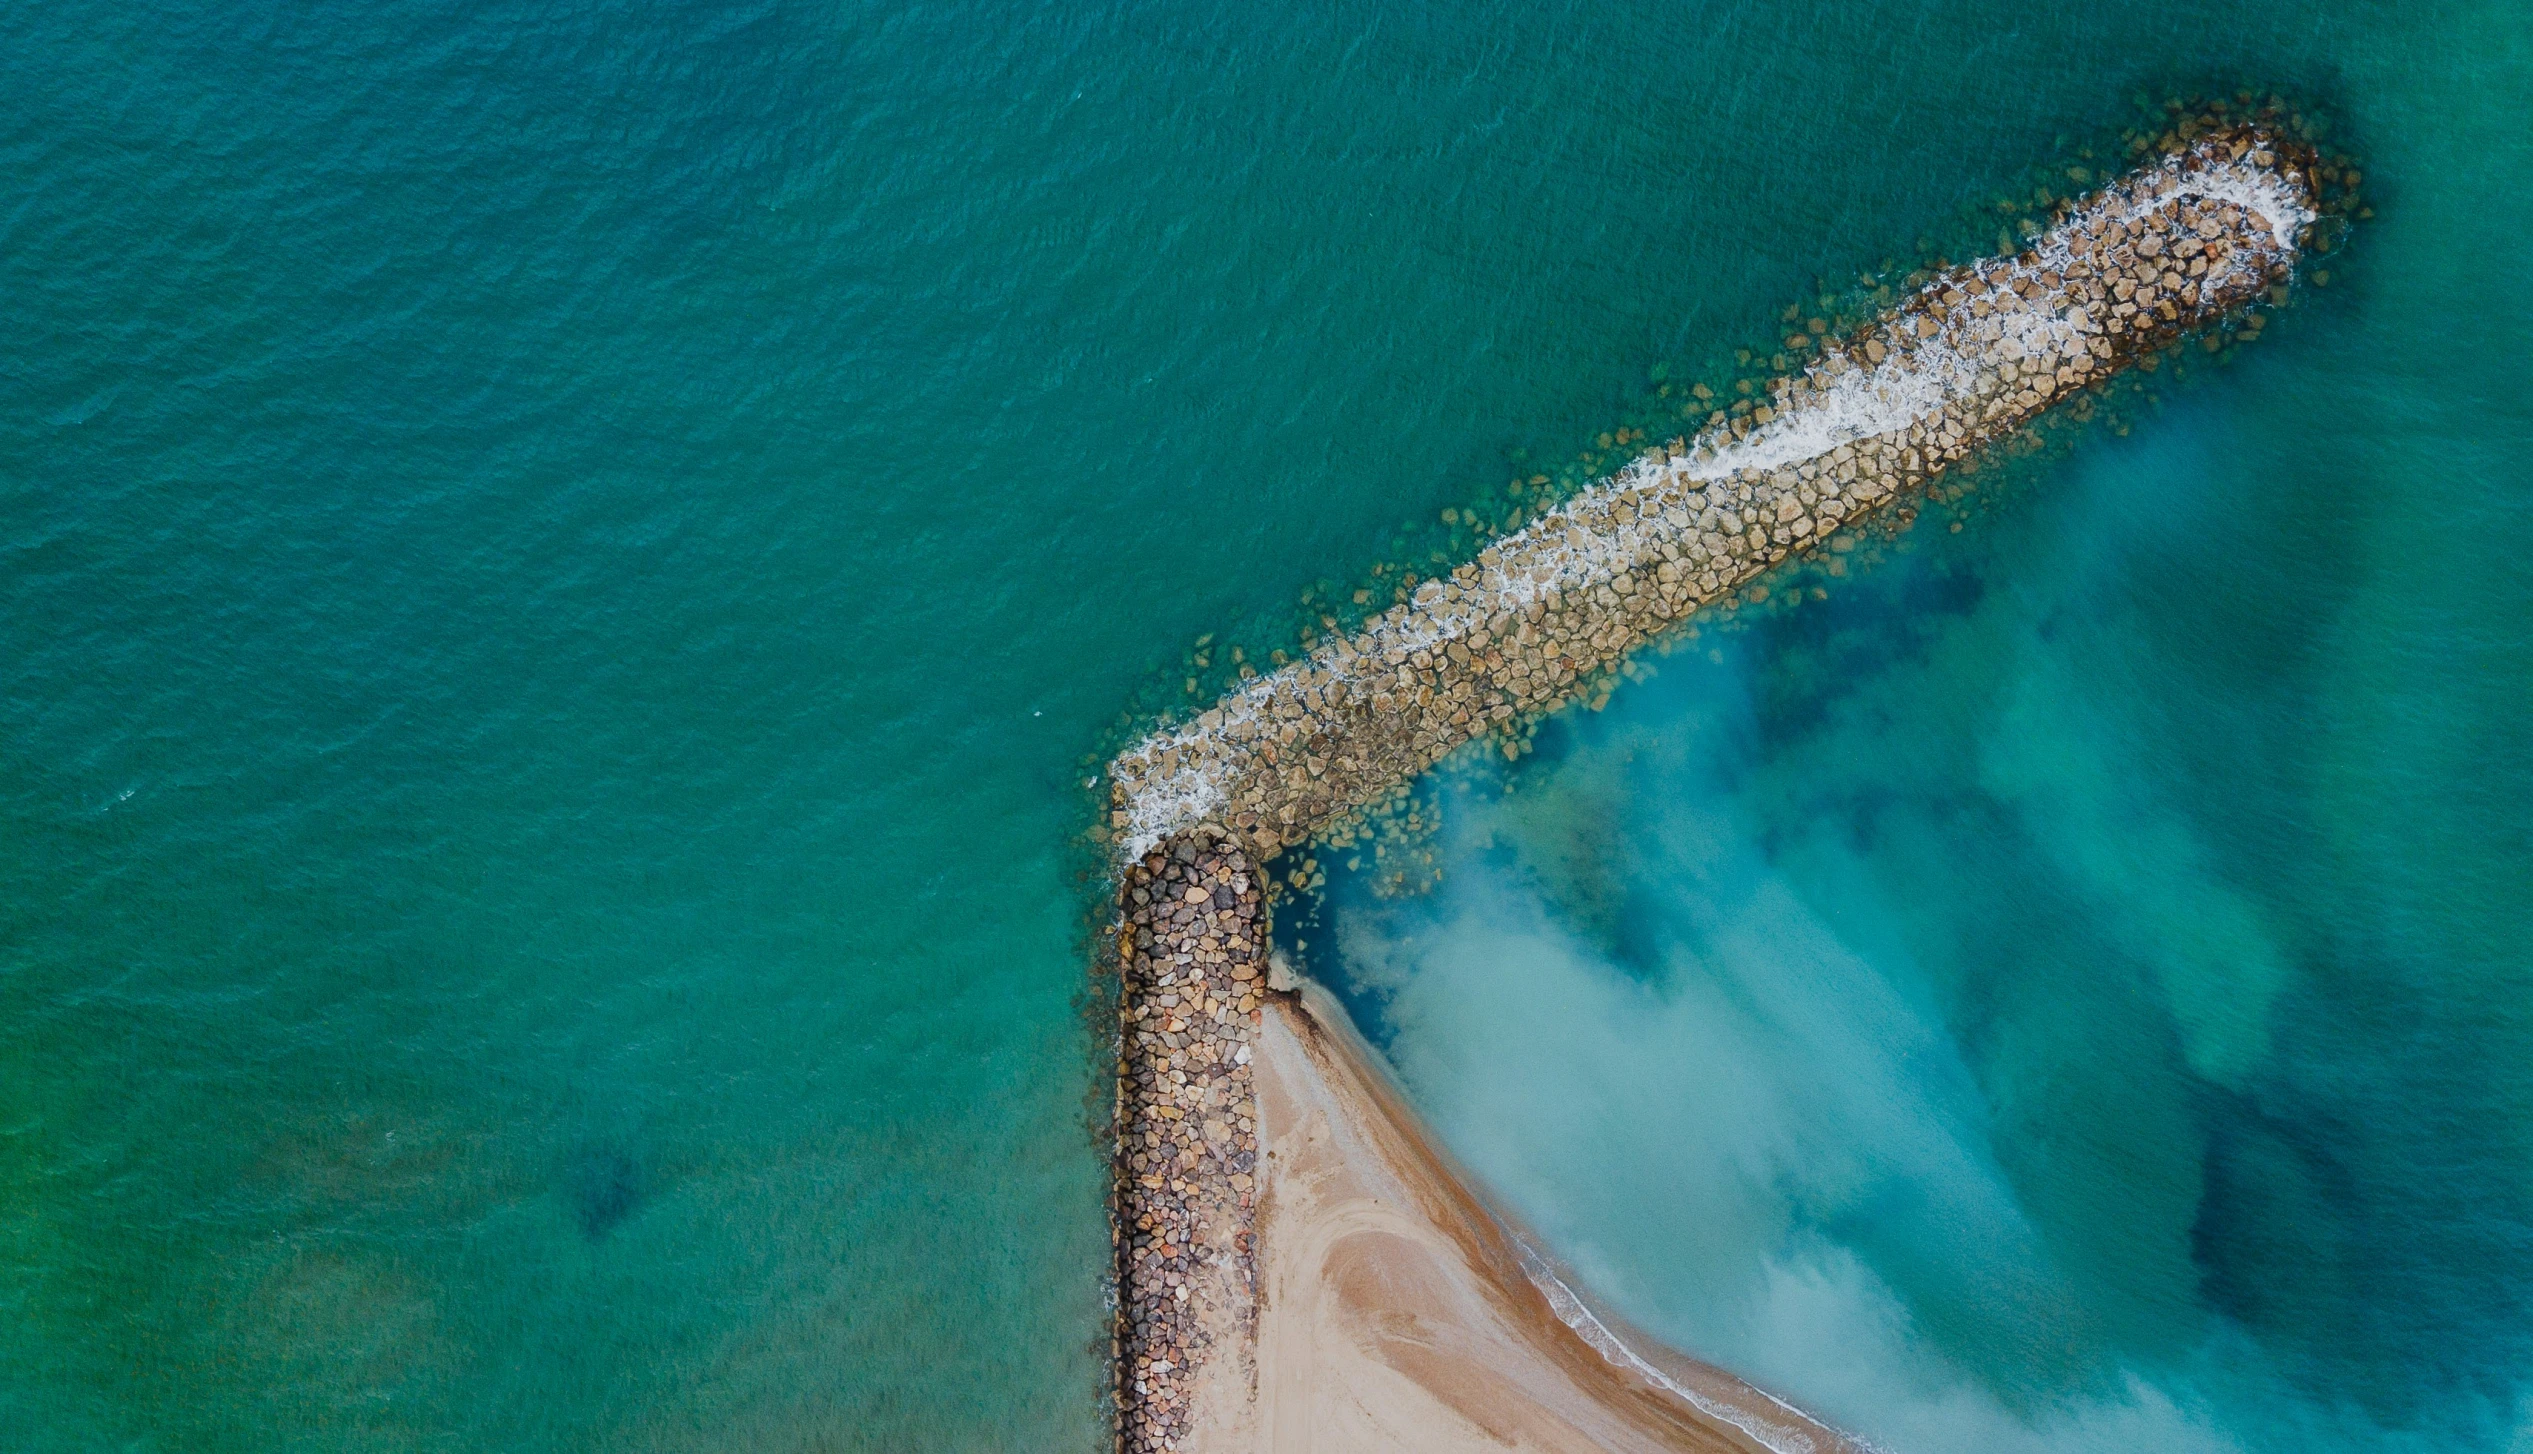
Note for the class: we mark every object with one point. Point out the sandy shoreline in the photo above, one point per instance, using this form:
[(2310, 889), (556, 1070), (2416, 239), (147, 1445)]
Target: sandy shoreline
[(1301, 1267), (1393, 1309)]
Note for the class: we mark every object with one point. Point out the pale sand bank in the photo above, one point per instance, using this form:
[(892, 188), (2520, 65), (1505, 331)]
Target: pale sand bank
[(1393, 1313)]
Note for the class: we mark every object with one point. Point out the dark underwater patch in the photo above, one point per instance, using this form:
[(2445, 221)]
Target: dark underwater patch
[(604, 1185)]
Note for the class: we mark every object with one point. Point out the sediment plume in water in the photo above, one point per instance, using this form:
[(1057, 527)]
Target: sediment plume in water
[(2203, 230), (1300, 1268)]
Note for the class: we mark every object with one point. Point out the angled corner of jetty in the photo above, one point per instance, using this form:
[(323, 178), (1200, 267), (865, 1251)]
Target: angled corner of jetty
[(1299, 1266)]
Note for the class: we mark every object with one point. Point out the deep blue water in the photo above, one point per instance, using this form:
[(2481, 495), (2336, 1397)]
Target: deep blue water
[(562, 563)]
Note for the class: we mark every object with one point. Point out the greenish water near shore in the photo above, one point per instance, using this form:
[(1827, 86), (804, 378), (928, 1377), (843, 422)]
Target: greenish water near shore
[(562, 563)]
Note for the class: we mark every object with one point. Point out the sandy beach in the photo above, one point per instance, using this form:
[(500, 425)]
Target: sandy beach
[(1393, 1309)]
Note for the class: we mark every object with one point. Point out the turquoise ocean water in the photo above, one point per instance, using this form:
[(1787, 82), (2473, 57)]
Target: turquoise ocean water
[(561, 564)]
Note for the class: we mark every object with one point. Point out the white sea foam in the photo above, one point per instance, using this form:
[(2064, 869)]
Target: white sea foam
[(2009, 310), (1578, 1315)]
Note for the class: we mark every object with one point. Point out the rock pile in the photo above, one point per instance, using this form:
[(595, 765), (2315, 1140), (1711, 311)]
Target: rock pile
[(1192, 952), (2204, 231)]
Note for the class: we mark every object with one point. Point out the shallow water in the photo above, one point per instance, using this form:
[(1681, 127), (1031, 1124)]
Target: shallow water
[(563, 563), (2063, 988)]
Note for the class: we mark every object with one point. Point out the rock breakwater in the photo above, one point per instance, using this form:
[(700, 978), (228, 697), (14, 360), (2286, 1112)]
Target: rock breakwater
[(2206, 229), (1192, 954)]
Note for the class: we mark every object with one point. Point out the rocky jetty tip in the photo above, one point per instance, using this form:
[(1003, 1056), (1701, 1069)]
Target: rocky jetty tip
[(2206, 229)]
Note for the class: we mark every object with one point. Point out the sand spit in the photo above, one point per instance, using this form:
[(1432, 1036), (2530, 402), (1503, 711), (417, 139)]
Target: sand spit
[(1351, 1293), (1398, 1312), (1301, 1269)]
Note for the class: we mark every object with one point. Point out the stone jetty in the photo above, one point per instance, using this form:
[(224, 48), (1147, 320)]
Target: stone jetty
[(1967, 359), (1192, 951), (2206, 229)]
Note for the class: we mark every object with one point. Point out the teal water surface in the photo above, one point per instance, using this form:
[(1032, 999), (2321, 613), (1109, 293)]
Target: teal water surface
[(562, 563)]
